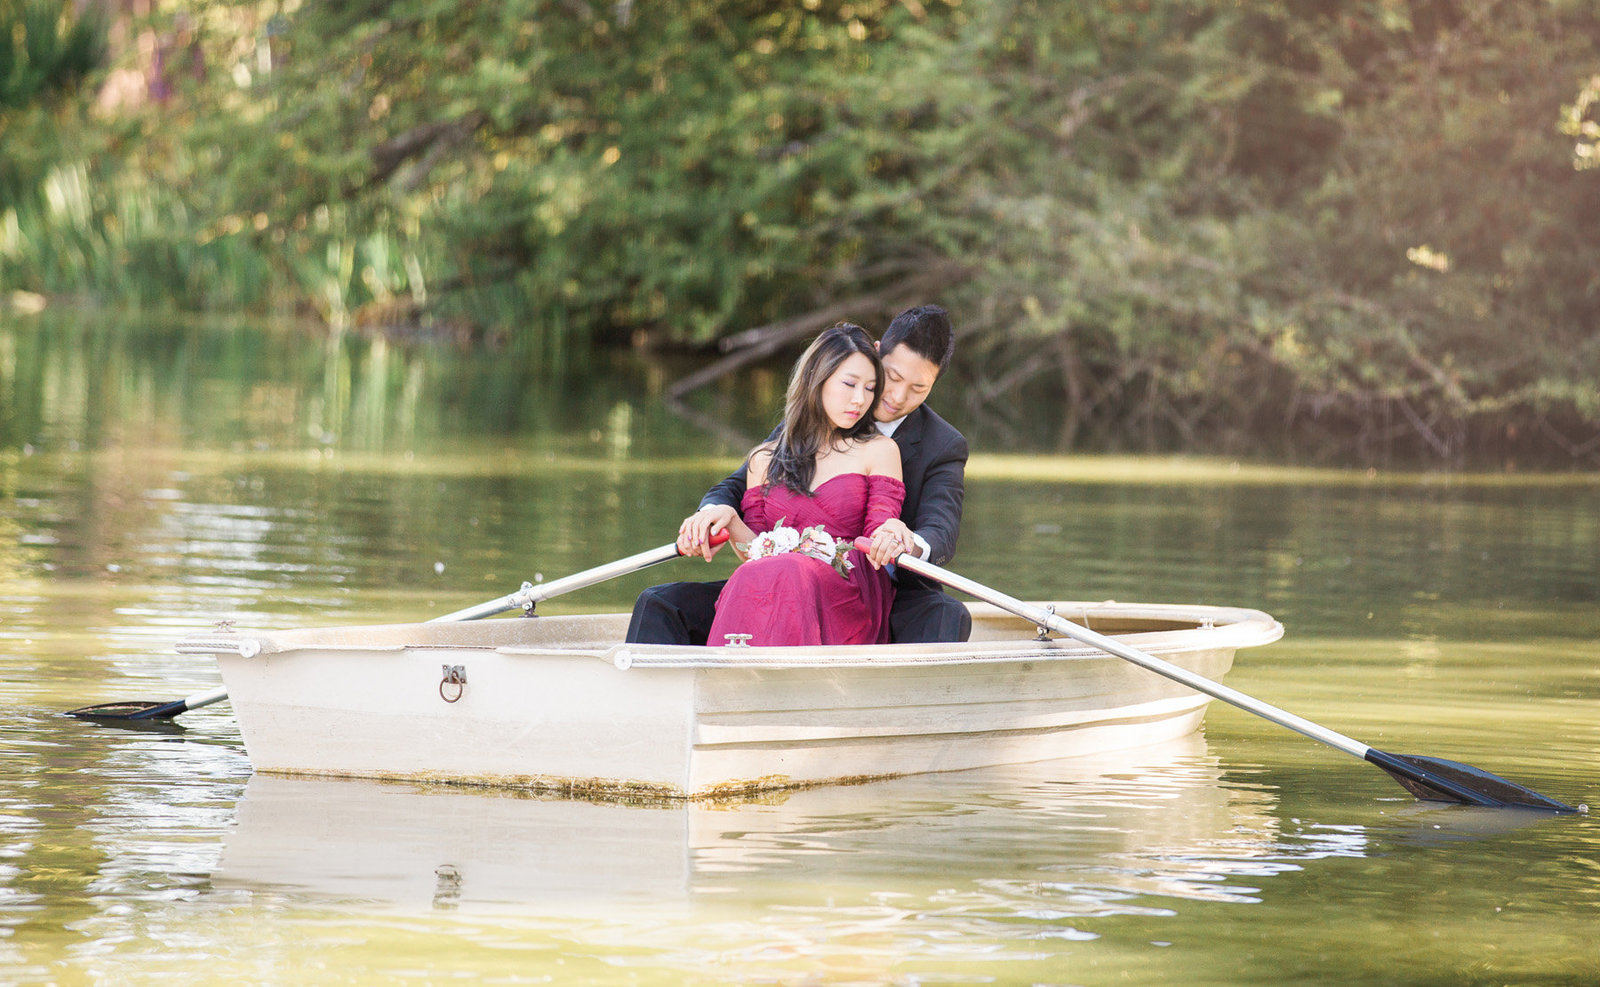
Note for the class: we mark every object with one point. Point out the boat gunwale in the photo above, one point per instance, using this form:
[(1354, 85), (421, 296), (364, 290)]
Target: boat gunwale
[(1222, 627)]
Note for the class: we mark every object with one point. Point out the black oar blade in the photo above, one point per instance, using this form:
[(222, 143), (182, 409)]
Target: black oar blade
[(1436, 780), (133, 710)]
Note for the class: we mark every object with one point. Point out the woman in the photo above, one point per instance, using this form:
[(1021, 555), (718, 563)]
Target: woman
[(828, 477)]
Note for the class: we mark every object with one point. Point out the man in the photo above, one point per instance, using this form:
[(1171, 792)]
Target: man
[(915, 349)]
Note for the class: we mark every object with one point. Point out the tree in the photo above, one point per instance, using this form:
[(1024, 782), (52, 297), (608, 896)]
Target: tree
[(1170, 224), (1349, 224)]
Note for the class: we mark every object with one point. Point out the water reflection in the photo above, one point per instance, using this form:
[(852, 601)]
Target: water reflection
[(1039, 843), (238, 466), (76, 382), (154, 480)]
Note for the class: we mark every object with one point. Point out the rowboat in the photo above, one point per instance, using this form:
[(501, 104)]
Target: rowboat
[(562, 704)]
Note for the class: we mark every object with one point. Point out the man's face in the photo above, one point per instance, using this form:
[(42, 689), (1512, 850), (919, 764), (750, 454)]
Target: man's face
[(908, 377)]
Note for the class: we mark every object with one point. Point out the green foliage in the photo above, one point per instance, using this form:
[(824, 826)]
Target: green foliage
[(44, 53), (1179, 223), (1350, 223), (45, 49), (694, 167), (1581, 120)]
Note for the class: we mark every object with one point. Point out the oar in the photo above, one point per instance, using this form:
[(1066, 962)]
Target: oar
[(531, 594), (1430, 778), (525, 598)]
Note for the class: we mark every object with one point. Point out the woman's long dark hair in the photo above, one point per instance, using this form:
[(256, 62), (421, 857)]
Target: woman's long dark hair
[(805, 424)]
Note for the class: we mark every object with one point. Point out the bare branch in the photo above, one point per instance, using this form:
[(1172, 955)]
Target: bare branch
[(755, 344)]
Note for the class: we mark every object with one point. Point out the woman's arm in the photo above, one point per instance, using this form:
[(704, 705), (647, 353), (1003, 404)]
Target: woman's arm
[(890, 536), (741, 533), (694, 534)]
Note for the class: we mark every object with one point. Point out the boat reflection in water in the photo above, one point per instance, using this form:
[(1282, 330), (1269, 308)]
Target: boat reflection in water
[(1082, 836)]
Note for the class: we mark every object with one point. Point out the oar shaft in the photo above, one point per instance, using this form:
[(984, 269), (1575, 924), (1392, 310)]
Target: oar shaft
[(1426, 778), (204, 698), (532, 593), (526, 596), (166, 711), (1199, 683)]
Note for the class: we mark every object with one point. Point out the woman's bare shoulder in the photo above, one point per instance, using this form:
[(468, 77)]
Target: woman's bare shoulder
[(882, 456), (756, 467)]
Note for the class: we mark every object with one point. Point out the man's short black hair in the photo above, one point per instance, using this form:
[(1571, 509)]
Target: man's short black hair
[(927, 330)]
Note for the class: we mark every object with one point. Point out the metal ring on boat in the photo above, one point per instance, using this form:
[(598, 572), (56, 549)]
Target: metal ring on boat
[(455, 675)]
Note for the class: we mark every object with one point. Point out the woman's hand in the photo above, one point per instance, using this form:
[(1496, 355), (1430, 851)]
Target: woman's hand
[(892, 537), (694, 534)]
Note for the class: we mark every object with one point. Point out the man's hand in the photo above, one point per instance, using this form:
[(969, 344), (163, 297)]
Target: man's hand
[(694, 534), (892, 537)]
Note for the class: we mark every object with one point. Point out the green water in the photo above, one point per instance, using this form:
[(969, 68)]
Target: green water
[(156, 479)]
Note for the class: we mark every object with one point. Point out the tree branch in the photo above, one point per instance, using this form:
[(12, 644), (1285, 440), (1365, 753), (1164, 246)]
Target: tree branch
[(428, 141), (756, 344)]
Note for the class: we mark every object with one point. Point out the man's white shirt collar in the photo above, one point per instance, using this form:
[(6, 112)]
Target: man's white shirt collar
[(889, 428)]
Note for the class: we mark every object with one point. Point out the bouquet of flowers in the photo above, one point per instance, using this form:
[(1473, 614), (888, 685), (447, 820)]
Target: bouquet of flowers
[(813, 541)]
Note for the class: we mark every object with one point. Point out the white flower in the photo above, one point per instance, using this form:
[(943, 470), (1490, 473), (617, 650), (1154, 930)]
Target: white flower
[(784, 539), (779, 540), (813, 541)]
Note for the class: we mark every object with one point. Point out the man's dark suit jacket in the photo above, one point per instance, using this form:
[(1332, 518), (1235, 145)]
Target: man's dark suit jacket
[(933, 459)]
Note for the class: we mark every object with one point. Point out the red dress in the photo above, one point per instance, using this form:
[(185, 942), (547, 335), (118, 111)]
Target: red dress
[(794, 599)]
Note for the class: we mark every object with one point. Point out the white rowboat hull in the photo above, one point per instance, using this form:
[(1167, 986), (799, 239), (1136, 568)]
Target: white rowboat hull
[(553, 703)]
